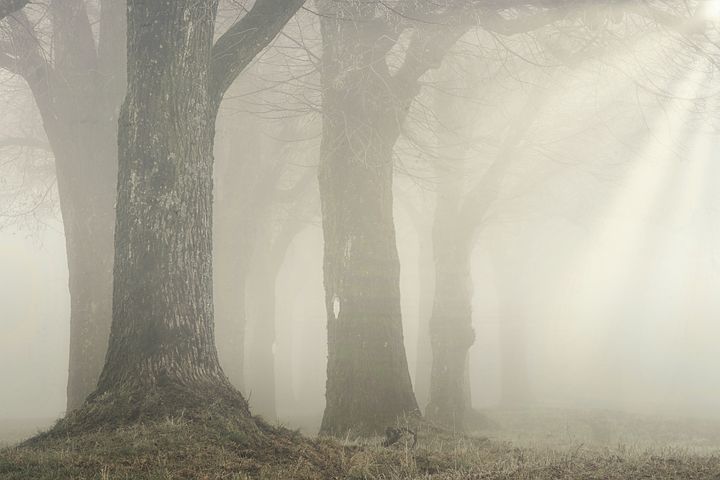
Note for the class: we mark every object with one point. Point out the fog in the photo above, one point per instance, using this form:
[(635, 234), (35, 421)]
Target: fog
[(594, 265)]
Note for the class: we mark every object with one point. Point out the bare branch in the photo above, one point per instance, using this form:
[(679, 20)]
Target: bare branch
[(237, 47)]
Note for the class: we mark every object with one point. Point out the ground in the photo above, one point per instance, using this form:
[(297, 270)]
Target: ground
[(538, 443)]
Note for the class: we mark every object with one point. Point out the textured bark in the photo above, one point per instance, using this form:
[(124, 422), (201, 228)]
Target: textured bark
[(364, 107), (162, 329), (368, 382), (161, 357)]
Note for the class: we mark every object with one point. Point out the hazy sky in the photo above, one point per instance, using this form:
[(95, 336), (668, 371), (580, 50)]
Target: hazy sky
[(34, 325)]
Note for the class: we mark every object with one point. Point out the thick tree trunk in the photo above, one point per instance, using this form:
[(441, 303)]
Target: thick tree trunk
[(368, 381), (161, 356)]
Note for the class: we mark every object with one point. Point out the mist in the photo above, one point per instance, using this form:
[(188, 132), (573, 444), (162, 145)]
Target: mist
[(363, 223)]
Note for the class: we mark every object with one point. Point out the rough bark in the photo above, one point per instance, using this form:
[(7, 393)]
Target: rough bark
[(162, 329), (161, 357), (368, 382)]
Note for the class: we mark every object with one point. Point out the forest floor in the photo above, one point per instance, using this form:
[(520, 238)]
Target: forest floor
[(538, 443)]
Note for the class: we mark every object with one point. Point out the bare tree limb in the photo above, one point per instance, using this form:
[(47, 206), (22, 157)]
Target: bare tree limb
[(243, 41)]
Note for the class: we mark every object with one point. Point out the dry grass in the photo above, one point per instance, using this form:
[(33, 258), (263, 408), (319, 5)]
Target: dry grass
[(531, 444)]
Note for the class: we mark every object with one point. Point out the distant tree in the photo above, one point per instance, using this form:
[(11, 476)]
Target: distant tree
[(78, 86), (270, 255), (364, 105), (374, 56)]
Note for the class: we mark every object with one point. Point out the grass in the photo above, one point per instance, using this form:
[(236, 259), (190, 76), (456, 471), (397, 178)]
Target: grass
[(524, 444)]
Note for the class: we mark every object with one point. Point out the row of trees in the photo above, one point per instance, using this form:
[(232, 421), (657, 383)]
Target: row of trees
[(136, 193)]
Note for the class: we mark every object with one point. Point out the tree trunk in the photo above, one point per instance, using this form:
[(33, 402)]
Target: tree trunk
[(368, 381), (451, 333), (161, 356), (451, 330), (87, 204)]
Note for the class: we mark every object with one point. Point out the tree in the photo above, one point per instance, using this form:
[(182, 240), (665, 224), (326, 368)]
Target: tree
[(78, 88), (364, 105), (270, 255), (460, 216), (366, 95), (458, 220), (161, 355)]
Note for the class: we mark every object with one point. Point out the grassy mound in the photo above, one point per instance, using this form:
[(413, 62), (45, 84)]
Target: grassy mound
[(216, 448), (174, 449)]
